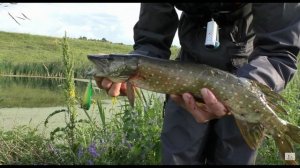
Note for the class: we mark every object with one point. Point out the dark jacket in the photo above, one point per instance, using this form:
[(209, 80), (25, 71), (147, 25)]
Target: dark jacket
[(258, 41)]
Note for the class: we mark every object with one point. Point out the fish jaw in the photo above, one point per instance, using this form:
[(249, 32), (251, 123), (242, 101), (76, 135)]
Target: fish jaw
[(117, 68)]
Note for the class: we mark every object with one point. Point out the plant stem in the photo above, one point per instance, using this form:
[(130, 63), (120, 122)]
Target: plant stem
[(69, 92)]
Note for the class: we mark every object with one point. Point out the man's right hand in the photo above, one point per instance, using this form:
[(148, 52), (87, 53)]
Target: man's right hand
[(112, 89)]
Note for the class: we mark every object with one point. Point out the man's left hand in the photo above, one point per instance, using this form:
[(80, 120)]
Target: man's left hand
[(212, 108)]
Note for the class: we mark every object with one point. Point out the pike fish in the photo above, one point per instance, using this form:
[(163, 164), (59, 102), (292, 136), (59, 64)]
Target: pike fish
[(253, 105)]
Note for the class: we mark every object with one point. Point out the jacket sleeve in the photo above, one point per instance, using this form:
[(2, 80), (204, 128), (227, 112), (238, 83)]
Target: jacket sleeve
[(276, 45), (155, 30)]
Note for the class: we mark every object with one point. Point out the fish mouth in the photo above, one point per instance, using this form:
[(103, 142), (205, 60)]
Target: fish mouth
[(101, 64), (107, 64)]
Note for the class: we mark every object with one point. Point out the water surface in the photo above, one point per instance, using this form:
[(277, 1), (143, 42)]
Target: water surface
[(26, 101)]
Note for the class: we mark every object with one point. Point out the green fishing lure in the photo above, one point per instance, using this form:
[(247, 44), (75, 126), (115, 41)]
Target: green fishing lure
[(87, 97)]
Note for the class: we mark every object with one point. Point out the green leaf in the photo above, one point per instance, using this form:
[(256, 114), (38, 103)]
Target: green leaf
[(101, 113), (52, 114)]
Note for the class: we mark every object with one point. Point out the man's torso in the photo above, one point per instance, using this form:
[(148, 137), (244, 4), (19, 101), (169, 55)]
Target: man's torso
[(235, 33)]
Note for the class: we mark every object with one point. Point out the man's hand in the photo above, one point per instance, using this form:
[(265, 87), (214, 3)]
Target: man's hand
[(210, 110), (112, 89)]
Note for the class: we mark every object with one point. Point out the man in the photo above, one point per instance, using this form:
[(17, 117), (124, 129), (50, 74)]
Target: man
[(257, 41)]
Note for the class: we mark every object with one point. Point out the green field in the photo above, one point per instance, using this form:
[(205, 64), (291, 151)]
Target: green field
[(112, 135), (25, 48), (25, 54)]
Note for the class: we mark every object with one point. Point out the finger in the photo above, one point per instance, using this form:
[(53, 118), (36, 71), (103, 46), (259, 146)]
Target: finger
[(199, 113), (213, 105), (98, 81), (114, 89), (106, 83), (177, 99), (123, 89)]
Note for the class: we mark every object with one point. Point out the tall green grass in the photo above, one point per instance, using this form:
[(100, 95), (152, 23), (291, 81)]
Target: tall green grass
[(26, 146)]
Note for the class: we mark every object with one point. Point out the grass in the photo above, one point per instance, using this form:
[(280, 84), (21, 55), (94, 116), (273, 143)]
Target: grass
[(114, 134), (33, 54), (129, 137), (24, 145), (25, 48), (37, 55)]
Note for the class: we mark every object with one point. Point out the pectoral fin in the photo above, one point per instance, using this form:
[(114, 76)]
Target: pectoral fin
[(277, 107), (271, 95), (130, 92), (252, 133)]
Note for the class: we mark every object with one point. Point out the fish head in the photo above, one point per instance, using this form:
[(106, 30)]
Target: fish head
[(117, 68)]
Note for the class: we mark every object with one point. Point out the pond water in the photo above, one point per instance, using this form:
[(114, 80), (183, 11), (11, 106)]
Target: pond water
[(28, 101), (38, 92)]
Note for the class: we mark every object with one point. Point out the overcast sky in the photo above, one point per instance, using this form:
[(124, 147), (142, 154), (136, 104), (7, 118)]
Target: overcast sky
[(113, 21)]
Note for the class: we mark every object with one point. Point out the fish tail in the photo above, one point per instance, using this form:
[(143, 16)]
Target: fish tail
[(284, 145), (293, 132)]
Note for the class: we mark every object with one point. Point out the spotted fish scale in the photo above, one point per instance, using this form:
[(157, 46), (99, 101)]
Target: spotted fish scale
[(253, 105)]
